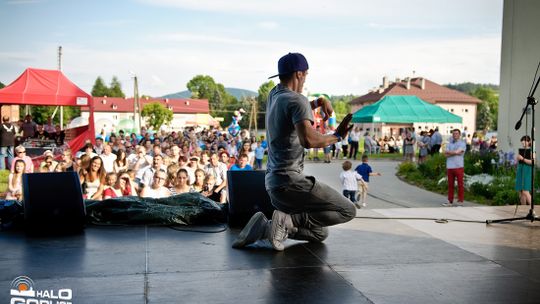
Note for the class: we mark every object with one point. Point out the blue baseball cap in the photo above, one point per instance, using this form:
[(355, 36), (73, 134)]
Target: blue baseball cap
[(292, 62)]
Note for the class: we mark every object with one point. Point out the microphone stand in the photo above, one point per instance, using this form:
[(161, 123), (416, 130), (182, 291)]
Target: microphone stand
[(531, 101)]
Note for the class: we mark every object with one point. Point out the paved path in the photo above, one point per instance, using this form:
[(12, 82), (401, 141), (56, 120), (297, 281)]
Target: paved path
[(386, 191)]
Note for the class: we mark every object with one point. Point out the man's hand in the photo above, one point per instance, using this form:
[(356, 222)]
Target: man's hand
[(344, 127), (326, 107)]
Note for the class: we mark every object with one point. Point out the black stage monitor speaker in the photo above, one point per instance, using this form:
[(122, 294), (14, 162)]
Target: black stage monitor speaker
[(53, 203), (247, 195)]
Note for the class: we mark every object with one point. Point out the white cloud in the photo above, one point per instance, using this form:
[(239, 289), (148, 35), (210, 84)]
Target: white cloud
[(268, 25)]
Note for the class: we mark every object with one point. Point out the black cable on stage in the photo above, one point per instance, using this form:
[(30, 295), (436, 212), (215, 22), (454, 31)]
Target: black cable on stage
[(437, 220)]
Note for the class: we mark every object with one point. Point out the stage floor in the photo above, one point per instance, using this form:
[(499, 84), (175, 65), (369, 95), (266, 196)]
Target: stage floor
[(364, 261)]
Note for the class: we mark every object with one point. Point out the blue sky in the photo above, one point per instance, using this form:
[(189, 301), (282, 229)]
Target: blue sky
[(350, 45)]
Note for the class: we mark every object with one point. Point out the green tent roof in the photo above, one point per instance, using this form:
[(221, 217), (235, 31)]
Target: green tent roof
[(404, 109)]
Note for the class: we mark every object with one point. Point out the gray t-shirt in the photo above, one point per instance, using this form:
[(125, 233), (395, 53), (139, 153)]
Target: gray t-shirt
[(284, 109)]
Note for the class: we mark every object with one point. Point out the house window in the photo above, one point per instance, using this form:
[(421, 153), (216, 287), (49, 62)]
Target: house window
[(466, 110), (452, 110), (115, 117)]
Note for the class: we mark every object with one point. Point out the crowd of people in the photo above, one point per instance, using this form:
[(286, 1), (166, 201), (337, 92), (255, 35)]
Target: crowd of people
[(149, 165)]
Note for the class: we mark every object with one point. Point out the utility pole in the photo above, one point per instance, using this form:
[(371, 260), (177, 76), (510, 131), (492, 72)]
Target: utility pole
[(253, 116), (136, 106), (60, 69)]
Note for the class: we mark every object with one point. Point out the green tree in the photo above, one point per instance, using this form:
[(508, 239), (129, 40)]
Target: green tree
[(41, 113), (99, 89), (2, 85), (156, 115), (488, 110), (115, 89), (341, 105), (222, 104)]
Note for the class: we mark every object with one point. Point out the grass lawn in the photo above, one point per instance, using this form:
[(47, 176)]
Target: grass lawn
[(3, 182)]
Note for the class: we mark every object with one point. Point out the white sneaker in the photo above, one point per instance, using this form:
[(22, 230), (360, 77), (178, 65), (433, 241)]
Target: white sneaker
[(448, 204), (364, 205), (281, 226)]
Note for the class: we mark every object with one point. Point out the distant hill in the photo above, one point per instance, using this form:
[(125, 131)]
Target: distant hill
[(469, 87), (238, 93)]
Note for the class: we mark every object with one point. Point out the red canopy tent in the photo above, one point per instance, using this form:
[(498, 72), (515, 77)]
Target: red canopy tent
[(51, 88)]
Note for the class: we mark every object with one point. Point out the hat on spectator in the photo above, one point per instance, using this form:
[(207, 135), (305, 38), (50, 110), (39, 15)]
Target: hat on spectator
[(48, 152), (290, 63)]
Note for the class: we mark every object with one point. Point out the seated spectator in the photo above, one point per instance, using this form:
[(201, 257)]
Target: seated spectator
[(92, 179), (145, 176), (224, 158), (15, 181), (47, 165), (198, 184), (219, 171), (211, 190), (88, 149), (181, 183), (242, 164), (108, 158), (157, 189), (20, 153), (139, 159), (172, 170), (68, 165), (110, 182), (120, 164)]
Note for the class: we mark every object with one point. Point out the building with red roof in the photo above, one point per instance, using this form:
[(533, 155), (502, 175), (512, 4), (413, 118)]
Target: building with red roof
[(451, 100), (110, 113)]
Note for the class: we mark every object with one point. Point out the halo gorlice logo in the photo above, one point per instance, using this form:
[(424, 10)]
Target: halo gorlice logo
[(23, 292)]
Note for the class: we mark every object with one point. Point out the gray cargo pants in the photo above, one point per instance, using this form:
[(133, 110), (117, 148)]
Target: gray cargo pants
[(313, 206)]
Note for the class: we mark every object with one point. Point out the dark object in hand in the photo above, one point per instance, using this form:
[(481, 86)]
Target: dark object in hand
[(344, 127), (526, 154)]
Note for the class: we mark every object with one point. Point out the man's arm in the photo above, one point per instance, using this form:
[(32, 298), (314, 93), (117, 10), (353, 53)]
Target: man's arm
[(309, 138)]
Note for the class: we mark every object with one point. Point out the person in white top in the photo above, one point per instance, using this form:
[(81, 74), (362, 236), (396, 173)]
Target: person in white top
[(354, 137), (157, 189), (349, 181), (219, 171), (108, 159), (139, 159)]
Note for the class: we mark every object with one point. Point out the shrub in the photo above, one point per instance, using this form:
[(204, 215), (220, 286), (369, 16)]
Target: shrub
[(506, 197), (406, 168), (434, 167), (482, 190)]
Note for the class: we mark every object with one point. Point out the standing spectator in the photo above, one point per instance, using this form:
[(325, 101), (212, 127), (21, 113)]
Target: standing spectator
[(7, 142), (242, 164), (524, 170), (29, 127), (15, 181), (328, 149), (349, 181), (339, 149), (475, 141), (354, 138), (454, 153), (408, 147), (436, 142), (40, 133), (20, 151), (224, 158), (423, 145), (345, 145), (259, 155), (58, 136), (365, 171), (49, 127)]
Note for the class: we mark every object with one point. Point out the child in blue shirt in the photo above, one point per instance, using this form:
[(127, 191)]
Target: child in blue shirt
[(365, 171), (259, 155)]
